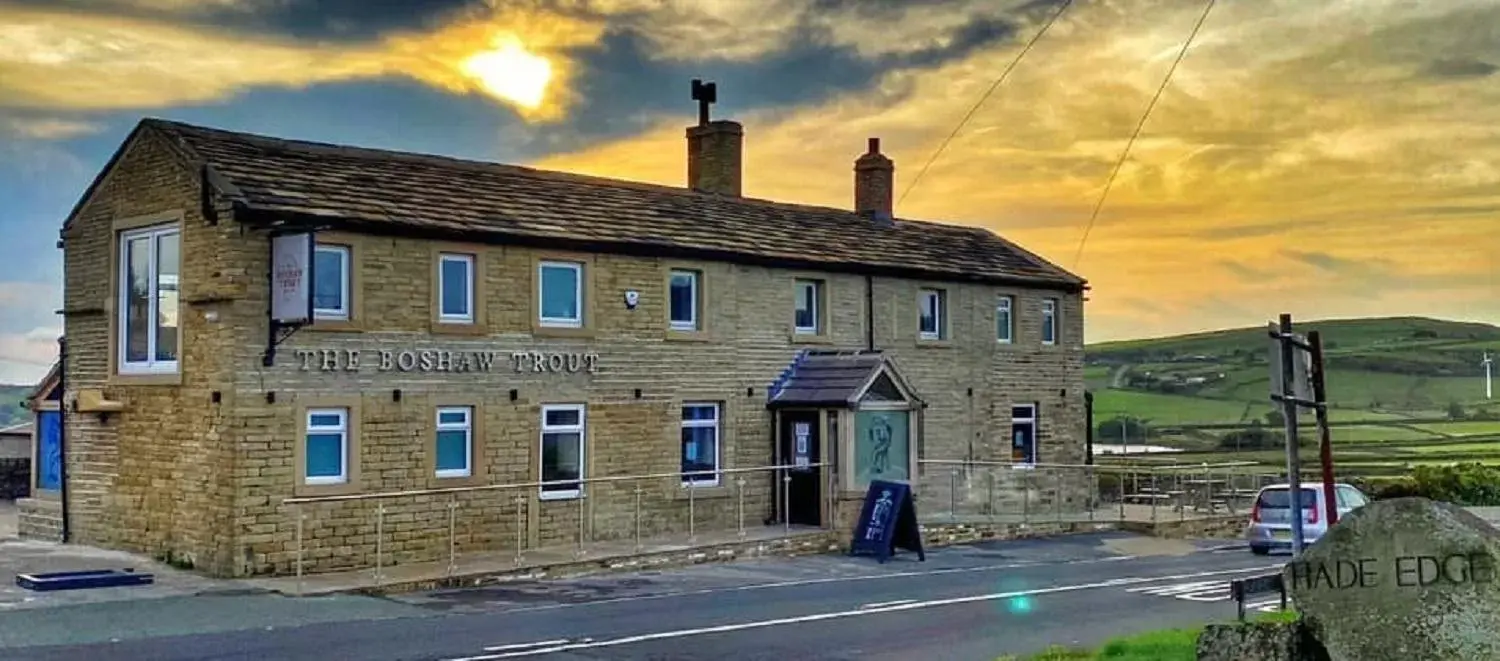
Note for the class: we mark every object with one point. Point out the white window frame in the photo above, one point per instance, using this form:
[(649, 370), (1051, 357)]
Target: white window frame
[(801, 285), (467, 427), (715, 424), (580, 429), (151, 365), (1007, 304), (342, 429), (541, 287), (937, 299), (692, 323), (1034, 421), (468, 261), (1049, 320), (346, 268)]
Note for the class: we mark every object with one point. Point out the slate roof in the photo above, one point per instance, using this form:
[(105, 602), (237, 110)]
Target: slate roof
[(825, 378), (296, 182)]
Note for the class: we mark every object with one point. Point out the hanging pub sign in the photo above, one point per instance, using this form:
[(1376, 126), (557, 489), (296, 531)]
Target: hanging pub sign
[(291, 278)]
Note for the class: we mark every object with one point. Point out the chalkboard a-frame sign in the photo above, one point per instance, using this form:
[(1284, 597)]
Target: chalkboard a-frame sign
[(887, 521)]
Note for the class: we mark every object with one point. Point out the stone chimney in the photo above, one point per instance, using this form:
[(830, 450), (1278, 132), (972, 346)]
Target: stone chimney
[(715, 151), (874, 184), (715, 148)]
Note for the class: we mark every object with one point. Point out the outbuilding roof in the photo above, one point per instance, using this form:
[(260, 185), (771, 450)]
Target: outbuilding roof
[(824, 378), (297, 183)]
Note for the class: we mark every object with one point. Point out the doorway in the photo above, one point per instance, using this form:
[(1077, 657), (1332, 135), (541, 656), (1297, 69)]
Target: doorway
[(801, 445)]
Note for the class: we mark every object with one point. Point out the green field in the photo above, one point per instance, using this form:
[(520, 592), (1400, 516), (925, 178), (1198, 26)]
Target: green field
[(1401, 392)]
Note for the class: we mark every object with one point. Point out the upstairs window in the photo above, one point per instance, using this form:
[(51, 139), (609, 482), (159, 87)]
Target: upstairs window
[(1049, 321), (560, 294), (682, 294), (331, 282), (808, 318), (456, 288), (932, 305), (1005, 328), (148, 325)]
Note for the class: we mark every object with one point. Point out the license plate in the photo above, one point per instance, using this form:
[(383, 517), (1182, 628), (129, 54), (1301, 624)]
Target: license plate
[(1281, 534)]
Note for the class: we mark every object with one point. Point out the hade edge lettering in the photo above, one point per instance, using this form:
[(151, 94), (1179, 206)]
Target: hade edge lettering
[(386, 360), (1404, 571)]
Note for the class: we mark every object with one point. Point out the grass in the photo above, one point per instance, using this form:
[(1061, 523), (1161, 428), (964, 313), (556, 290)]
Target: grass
[(1463, 428), (1163, 409), (1168, 645)]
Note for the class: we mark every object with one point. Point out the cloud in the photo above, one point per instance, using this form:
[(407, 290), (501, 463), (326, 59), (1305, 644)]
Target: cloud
[(45, 128), (1459, 68), (26, 357)]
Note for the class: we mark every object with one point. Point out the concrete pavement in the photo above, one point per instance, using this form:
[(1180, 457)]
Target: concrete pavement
[(965, 602)]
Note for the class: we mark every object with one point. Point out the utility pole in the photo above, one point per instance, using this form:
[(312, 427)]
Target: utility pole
[(1289, 379)]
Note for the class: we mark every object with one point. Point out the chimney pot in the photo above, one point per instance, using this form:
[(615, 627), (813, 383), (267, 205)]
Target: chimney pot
[(874, 184)]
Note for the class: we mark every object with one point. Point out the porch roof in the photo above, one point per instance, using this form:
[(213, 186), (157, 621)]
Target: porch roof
[(836, 378)]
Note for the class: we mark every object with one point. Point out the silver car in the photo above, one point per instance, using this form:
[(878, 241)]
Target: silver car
[(1270, 526)]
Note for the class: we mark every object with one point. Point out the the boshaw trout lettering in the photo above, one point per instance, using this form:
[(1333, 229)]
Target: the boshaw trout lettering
[(351, 360)]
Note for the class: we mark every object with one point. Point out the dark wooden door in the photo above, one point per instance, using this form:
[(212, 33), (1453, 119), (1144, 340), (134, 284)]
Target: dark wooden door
[(801, 445)]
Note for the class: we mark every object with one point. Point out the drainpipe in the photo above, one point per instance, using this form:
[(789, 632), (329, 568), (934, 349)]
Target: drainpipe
[(62, 431), (1088, 431), (869, 312)]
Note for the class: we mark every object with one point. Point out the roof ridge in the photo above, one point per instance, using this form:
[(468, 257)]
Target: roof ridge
[(356, 151)]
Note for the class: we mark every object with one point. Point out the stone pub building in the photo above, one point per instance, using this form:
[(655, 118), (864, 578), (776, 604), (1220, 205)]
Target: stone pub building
[(250, 319)]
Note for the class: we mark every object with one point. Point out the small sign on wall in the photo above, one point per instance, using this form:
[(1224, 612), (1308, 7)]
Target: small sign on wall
[(291, 278)]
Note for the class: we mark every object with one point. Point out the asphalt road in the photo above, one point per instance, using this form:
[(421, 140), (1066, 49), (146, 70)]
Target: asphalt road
[(971, 602)]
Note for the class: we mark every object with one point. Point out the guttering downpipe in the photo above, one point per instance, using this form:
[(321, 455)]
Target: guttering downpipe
[(62, 432), (869, 312)]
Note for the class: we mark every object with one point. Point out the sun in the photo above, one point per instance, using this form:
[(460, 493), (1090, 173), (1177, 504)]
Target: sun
[(510, 72)]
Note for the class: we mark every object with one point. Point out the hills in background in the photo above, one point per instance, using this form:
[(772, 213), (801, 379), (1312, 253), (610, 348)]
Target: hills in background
[(1401, 367), (11, 412)]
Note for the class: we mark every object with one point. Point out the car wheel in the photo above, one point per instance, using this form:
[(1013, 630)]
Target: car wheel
[(1260, 550)]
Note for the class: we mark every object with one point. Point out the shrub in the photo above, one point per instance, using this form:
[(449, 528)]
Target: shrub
[(1467, 484)]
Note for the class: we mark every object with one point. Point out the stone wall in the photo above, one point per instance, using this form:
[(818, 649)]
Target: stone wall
[(15, 478), (39, 519), (197, 466)]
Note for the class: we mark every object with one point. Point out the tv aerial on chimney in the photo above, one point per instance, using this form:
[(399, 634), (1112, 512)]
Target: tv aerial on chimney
[(704, 94)]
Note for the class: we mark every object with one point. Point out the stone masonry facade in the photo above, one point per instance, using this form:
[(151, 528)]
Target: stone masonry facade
[(194, 467)]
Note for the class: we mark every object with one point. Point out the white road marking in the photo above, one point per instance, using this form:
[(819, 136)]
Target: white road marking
[(741, 626), (1204, 591), (522, 646), (816, 581), (1271, 606), (883, 604)]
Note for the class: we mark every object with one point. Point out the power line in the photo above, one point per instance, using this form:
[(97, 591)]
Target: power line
[(982, 99), (1144, 116)]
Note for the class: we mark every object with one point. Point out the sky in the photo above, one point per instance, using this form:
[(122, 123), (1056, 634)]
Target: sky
[(1326, 158)]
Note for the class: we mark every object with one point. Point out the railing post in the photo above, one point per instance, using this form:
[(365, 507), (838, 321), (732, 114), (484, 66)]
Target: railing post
[(1182, 504), (989, 486), (953, 495), (301, 521), (638, 492), (786, 500), (520, 527), (452, 533), (1094, 498), (581, 517), (739, 492), (379, 544), (1057, 495), (692, 511), (1122, 492), (1154, 496)]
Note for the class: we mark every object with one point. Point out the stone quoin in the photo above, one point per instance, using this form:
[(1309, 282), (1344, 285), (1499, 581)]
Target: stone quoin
[(480, 324)]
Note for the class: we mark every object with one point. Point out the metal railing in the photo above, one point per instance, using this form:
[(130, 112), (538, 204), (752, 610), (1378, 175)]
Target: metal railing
[(366, 530), (967, 491)]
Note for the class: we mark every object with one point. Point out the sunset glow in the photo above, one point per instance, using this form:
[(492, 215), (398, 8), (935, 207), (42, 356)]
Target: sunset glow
[(511, 73)]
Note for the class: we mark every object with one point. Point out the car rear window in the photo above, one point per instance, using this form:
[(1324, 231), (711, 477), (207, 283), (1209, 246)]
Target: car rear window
[(1282, 498)]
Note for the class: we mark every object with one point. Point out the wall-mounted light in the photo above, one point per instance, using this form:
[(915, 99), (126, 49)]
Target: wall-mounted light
[(396, 395), (514, 394)]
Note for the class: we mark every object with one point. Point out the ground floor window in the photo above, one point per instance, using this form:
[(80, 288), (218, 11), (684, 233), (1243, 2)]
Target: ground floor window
[(327, 446), (882, 446), (1023, 429), (700, 444), (455, 441), (562, 450)]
